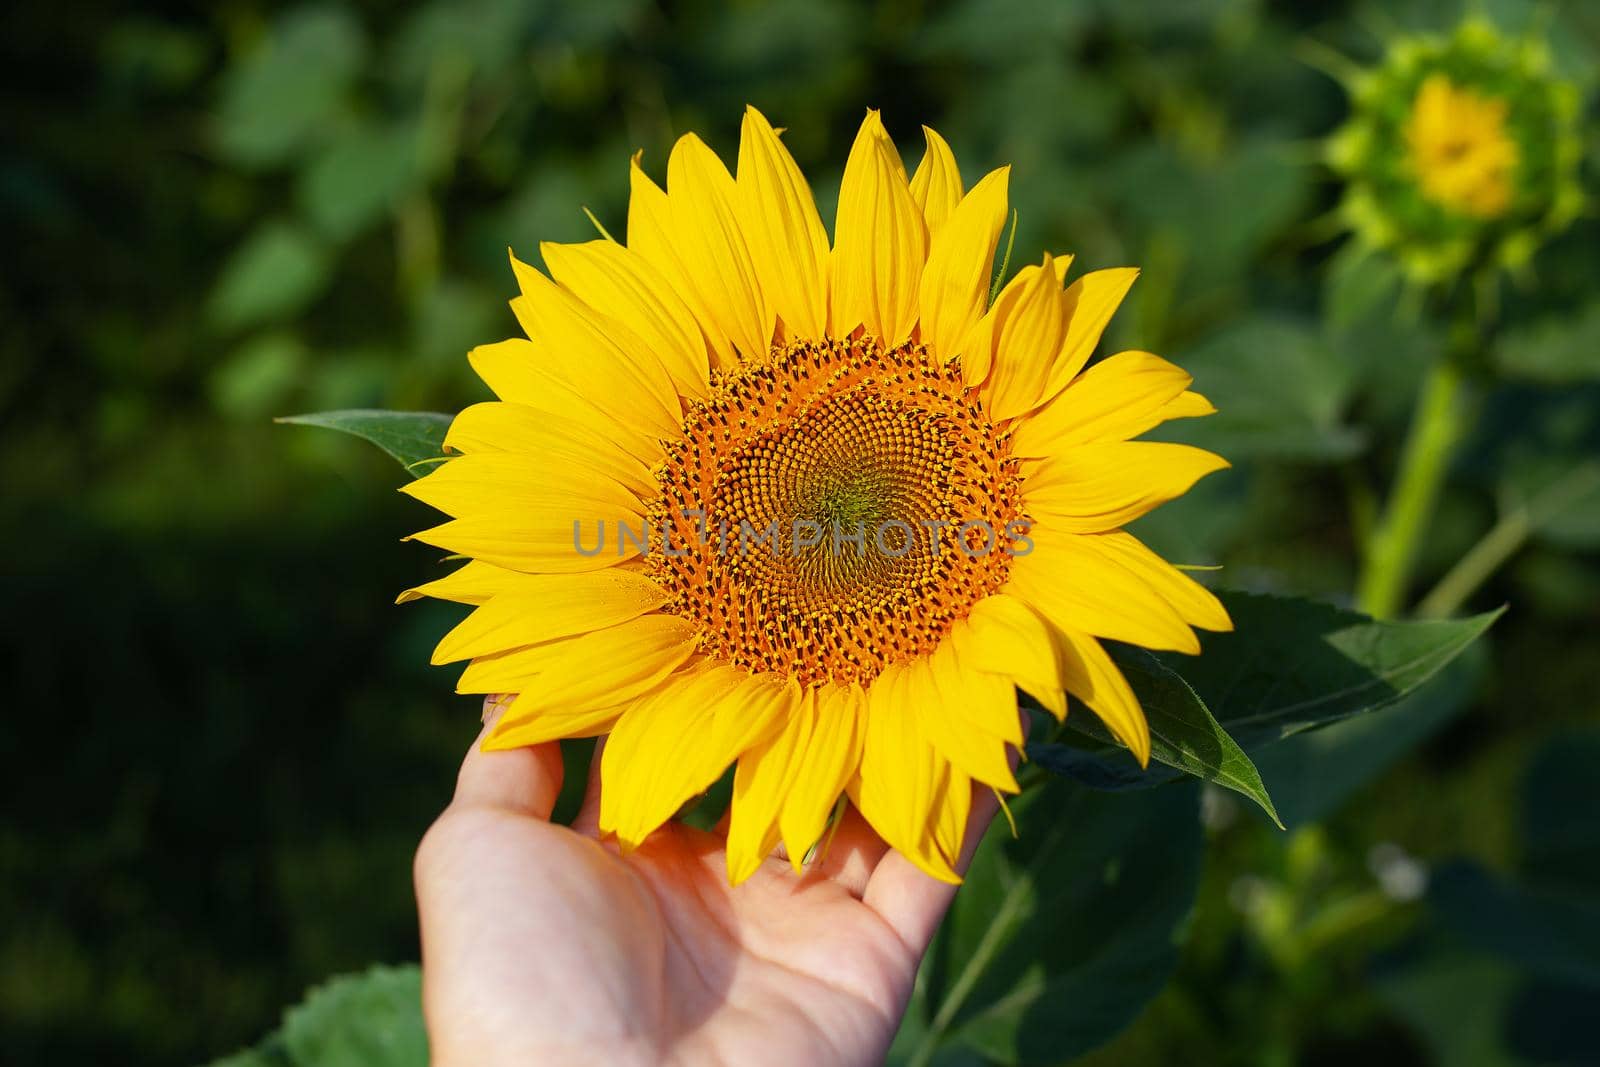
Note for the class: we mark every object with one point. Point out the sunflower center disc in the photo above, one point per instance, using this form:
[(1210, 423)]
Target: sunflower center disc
[(834, 510)]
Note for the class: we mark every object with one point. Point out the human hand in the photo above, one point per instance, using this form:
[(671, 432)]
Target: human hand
[(544, 945)]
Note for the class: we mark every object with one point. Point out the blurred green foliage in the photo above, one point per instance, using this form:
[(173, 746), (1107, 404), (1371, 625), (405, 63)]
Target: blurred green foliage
[(223, 741)]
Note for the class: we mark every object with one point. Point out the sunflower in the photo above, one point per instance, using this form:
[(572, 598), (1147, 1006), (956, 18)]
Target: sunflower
[(1461, 152), (817, 511), (1459, 149)]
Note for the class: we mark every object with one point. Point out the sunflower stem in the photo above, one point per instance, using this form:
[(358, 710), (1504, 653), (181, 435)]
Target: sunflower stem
[(1437, 426)]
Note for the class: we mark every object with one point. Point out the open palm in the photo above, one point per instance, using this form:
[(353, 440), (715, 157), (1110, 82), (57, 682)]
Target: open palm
[(542, 944)]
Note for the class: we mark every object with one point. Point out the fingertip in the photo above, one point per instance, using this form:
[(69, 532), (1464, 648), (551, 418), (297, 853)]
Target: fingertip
[(524, 780)]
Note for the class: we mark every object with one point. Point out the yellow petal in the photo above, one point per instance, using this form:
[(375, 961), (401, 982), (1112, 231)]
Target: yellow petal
[(554, 439), (678, 741), (594, 357), (473, 583), (485, 483), (903, 778), (650, 223), (1076, 584), (1193, 602), (564, 535), (612, 666), (831, 758), (1095, 488), (1187, 406), (936, 186), (1090, 303), (1028, 334), (1093, 678), (510, 671), (761, 783), (952, 803), (880, 242), (513, 370), (518, 727), (712, 246), (544, 607), (622, 284), (1003, 635), (933, 688), (1120, 397), (955, 283), (787, 240)]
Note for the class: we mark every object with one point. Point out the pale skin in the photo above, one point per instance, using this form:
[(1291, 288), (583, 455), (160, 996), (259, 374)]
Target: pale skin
[(542, 944)]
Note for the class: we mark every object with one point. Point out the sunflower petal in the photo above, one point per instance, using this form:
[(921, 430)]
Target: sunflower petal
[(936, 186), (761, 783), (473, 583), (1093, 678), (787, 240), (555, 538), (1090, 303), (544, 607), (831, 758), (554, 438), (1075, 583), (614, 665), (1004, 636), (955, 283), (1193, 602), (712, 246), (593, 357), (880, 242), (968, 715), (1120, 397), (1096, 488), (902, 784), (1029, 331), (619, 282)]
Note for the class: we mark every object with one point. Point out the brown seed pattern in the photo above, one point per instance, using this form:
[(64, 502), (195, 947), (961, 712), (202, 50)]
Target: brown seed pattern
[(815, 502)]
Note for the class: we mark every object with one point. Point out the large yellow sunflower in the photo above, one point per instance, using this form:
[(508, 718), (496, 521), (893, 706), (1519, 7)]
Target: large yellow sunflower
[(817, 511)]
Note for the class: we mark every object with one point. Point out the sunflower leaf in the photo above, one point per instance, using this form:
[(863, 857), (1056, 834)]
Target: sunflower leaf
[(1061, 935), (415, 438), (1292, 665), (373, 1019), (1184, 736), (1289, 666)]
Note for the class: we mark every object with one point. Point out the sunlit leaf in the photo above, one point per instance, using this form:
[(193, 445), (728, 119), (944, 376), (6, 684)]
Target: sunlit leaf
[(1183, 735), (363, 1020), (412, 437)]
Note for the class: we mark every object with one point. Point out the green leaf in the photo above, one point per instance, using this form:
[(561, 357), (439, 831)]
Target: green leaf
[(365, 1020), (1285, 389), (1430, 996), (1289, 666), (359, 177), (285, 91), (1183, 733), (1553, 351), (1060, 936), (1292, 665), (279, 269), (1544, 930), (269, 1053), (412, 437), (1311, 774)]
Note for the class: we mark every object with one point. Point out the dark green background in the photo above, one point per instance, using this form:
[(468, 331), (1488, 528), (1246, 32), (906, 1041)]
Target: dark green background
[(222, 740)]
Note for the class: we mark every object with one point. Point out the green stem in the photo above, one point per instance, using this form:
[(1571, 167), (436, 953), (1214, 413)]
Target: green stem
[(1504, 539), (1436, 428)]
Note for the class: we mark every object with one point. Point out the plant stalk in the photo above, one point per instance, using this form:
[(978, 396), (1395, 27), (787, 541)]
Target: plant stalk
[(1436, 429)]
